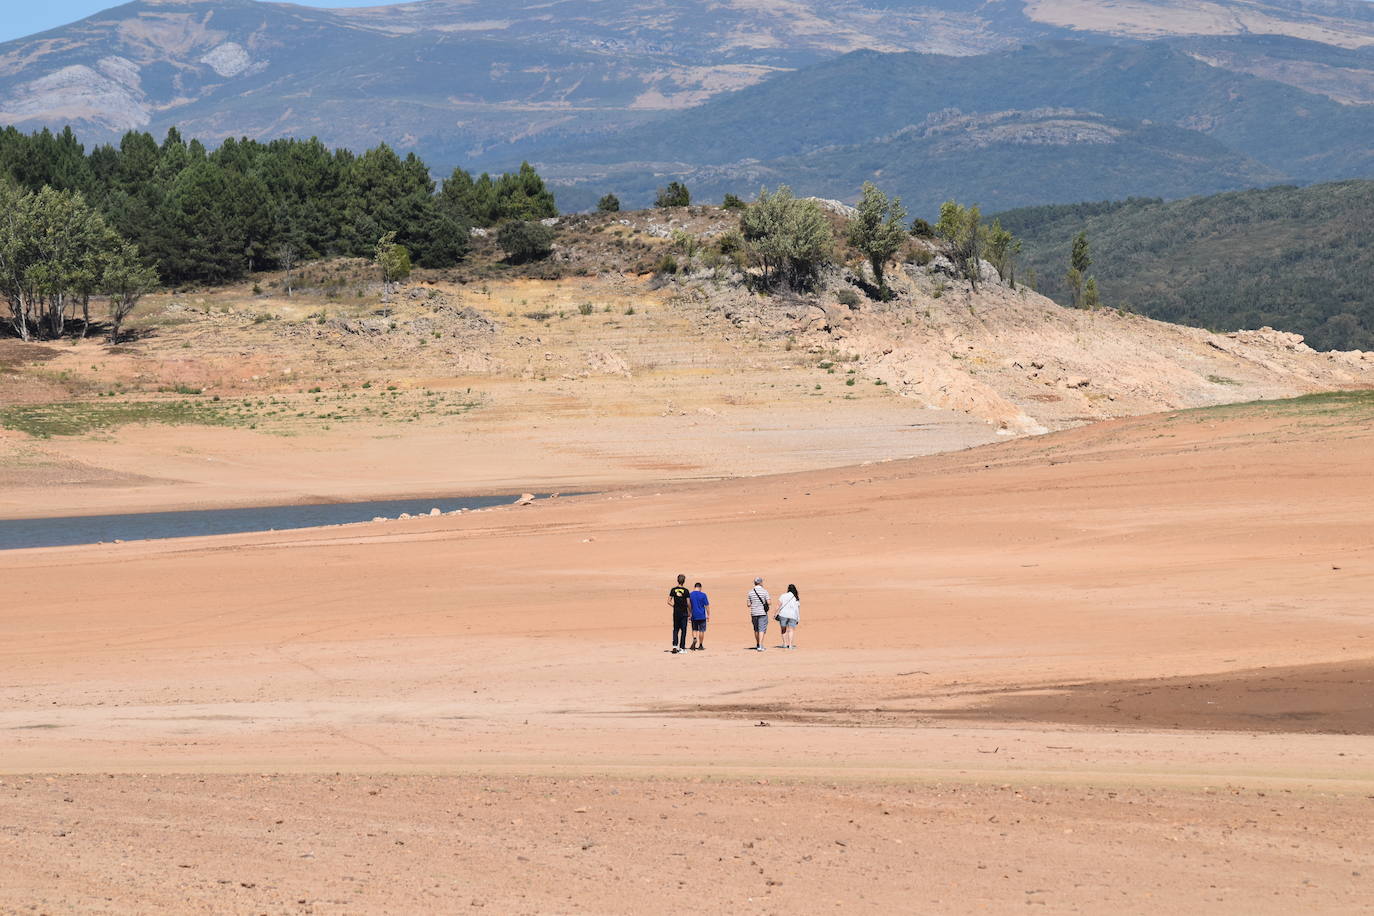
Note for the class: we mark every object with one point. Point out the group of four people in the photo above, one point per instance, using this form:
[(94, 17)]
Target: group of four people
[(694, 608)]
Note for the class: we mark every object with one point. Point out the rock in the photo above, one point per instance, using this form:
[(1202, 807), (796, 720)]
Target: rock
[(403, 516), (525, 499), (839, 208), (942, 265), (1077, 381), (435, 512), (379, 518), (478, 232), (550, 222)]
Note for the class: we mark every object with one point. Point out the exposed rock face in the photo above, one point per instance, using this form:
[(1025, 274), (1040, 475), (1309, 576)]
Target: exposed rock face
[(230, 59), (1036, 127), (109, 94), (839, 208)]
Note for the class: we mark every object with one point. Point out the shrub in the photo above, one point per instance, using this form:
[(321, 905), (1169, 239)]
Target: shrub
[(666, 265), (608, 204), (733, 202), (922, 229), (523, 240), (584, 309), (847, 297), (790, 238)]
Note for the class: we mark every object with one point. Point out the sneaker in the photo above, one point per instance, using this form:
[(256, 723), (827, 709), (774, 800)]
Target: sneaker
[(676, 650)]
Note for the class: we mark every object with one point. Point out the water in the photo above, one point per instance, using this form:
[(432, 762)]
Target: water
[(91, 529)]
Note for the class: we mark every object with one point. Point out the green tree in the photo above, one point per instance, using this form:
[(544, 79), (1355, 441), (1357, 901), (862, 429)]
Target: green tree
[(608, 204), (53, 247), (1001, 248), (523, 240), (1080, 259), (392, 259), (125, 280), (877, 232), (1091, 300), (733, 202), (199, 239), (675, 194), (790, 239), (960, 228), (523, 196)]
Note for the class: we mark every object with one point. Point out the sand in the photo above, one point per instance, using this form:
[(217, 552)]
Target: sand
[(1122, 668)]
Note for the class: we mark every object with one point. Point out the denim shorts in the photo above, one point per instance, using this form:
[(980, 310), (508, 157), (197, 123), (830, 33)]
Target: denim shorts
[(698, 626), (760, 623)]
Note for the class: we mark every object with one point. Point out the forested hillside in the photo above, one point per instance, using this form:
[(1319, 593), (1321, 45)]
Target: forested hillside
[(1297, 259), (208, 217)]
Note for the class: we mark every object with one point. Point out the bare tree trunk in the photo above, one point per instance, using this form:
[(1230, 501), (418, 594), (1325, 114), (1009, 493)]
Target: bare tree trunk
[(85, 314)]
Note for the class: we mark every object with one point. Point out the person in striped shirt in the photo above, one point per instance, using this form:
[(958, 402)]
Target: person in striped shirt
[(759, 601)]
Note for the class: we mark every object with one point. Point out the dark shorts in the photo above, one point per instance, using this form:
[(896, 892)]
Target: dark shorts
[(760, 623), (698, 626)]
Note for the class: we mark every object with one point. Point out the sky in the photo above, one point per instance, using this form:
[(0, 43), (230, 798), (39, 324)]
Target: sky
[(24, 17)]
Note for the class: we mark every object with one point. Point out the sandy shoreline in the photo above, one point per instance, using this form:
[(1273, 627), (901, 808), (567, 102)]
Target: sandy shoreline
[(1130, 660)]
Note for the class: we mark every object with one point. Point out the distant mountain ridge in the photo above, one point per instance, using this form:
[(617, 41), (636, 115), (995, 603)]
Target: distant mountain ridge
[(623, 94), (1049, 122), (461, 72)]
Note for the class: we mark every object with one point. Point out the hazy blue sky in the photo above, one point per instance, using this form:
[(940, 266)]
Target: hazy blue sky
[(23, 17)]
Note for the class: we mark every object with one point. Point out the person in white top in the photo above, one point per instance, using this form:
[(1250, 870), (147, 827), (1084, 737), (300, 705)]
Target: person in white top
[(789, 615), (759, 601)]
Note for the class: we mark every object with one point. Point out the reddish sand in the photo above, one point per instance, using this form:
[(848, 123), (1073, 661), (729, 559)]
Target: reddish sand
[(479, 710)]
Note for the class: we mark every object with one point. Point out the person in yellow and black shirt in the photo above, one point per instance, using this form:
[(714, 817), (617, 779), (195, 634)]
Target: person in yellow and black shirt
[(680, 600)]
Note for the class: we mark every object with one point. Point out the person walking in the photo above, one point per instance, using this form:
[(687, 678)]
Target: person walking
[(701, 614), (759, 601), (680, 600), (789, 615)]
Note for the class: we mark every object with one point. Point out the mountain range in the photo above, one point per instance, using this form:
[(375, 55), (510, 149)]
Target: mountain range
[(1009, 102)]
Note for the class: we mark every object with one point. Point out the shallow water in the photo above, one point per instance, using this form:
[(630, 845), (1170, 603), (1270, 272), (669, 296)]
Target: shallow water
[(142, 526)]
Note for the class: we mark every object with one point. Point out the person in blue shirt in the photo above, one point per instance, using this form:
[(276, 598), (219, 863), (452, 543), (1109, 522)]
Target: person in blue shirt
[(701, 613)]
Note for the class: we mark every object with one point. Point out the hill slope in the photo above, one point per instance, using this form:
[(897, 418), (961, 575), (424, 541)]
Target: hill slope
[(1292, 258), (485, 377)]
